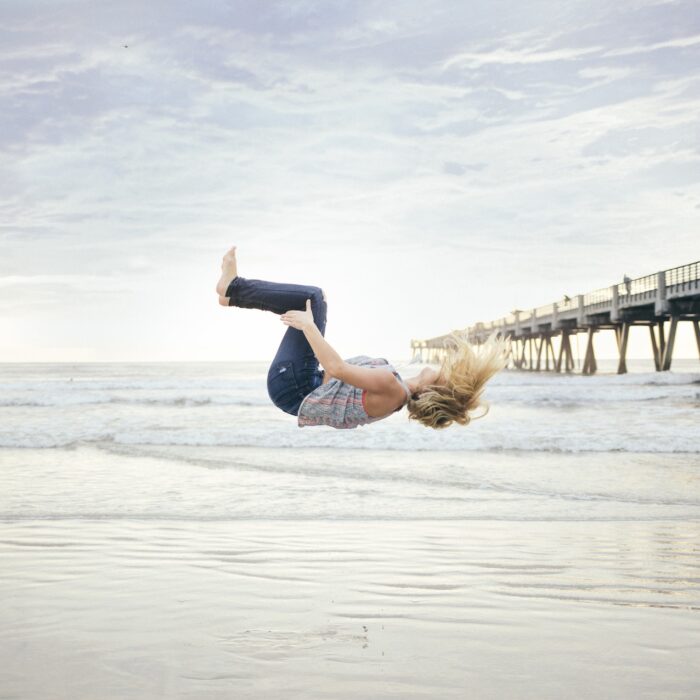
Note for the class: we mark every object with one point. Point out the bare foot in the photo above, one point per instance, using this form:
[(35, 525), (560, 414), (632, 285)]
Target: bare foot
[(229, 272), (224, 301)]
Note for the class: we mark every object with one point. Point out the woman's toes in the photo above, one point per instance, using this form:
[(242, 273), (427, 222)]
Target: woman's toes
[(224, 301)]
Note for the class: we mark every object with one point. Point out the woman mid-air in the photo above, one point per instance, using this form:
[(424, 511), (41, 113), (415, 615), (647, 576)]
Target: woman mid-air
[(361, 389)]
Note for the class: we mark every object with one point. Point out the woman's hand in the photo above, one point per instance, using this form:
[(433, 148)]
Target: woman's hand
[(299, 319)]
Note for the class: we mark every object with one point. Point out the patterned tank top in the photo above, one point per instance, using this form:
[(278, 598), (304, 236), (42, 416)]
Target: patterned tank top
[(342, 405)]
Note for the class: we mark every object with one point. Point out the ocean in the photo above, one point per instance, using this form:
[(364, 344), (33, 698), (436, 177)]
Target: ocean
[(221, 404), (166, 532)]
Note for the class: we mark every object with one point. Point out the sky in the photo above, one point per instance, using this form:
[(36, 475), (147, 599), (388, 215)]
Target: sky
[(428, 164)]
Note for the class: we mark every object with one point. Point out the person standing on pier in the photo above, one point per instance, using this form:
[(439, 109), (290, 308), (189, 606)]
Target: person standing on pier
[(628, 284), (361, 389)]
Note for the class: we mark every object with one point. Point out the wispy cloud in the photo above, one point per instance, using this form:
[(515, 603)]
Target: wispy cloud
[(523, 56), (606, 73), (679, 43)]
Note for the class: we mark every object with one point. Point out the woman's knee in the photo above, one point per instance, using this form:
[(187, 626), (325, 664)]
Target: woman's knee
[(316, 294)]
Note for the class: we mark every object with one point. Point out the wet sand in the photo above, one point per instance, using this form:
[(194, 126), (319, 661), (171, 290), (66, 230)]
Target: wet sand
[(146, 577)]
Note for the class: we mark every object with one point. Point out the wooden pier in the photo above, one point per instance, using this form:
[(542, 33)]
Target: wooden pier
[(541, 339)]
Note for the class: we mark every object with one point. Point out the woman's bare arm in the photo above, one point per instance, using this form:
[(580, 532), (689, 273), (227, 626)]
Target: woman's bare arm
[(375, 380), (330, 360)]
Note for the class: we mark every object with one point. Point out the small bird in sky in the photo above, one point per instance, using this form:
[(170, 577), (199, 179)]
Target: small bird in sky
[(126, 46)]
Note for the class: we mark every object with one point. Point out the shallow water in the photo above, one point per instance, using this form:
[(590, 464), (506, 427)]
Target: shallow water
[(151, 550)]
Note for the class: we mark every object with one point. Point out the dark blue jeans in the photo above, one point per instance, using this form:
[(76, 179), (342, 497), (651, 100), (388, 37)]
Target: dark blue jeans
[(295, 370)]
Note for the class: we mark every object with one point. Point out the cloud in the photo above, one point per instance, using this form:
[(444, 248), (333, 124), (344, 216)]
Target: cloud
[(523, 56), (606, 73), (679, 43), (533, 55)]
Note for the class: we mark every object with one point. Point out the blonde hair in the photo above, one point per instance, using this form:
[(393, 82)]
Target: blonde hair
[(465, 369)]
